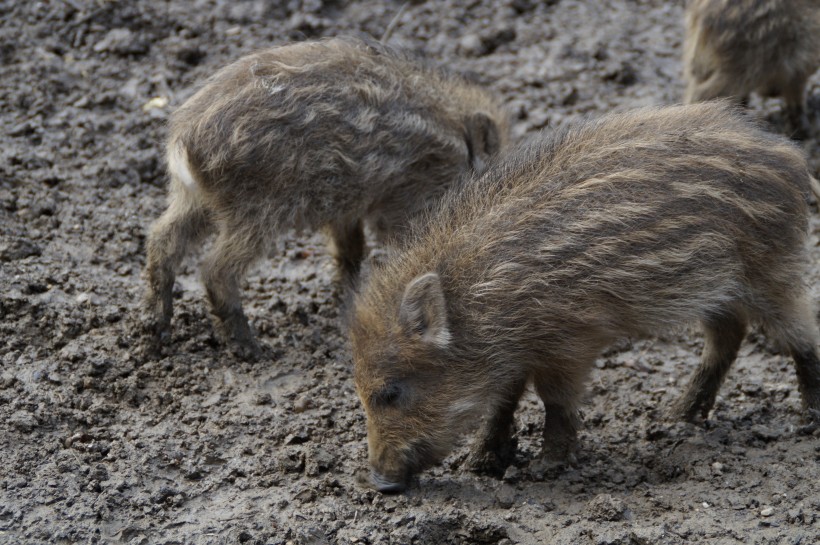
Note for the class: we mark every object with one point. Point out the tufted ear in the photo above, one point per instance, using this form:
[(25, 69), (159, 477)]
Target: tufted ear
[(423, 310), (483, 140)]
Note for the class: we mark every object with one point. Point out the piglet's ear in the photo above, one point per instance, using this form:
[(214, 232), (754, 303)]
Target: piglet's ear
[(483, 140), (423, 310)]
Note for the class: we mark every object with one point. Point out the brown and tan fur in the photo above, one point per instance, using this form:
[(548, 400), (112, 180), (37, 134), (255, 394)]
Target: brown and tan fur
[(625, 226), (736, 47), (326, 134)]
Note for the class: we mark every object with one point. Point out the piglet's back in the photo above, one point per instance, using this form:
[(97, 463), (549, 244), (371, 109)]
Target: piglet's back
[(644, 219), (316, 126)]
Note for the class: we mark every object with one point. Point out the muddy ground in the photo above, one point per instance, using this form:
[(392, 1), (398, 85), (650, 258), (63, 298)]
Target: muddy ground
[(100, 445)]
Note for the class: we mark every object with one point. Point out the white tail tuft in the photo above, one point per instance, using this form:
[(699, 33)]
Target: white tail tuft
[(179, 167)]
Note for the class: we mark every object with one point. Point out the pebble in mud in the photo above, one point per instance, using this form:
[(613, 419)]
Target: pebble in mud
[(263, 398), (471, 45), (605, 507), (505, 496), (302, 404), (23, 420), (16, 249)]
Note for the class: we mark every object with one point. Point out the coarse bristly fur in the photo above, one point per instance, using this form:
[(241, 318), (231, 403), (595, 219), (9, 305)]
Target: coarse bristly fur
[(323, 134), (624, 226), (736, 47)]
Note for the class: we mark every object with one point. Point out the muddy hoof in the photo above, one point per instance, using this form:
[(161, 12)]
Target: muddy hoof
[(152, 336), (236, 334), (492, 462), (693, 413), (249, 350), (560, 451), (147, 350)]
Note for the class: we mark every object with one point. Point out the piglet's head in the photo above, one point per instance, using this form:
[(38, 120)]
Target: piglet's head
[(403, 352)]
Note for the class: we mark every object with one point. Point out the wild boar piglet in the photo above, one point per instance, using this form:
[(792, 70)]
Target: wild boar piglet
[(628, 225), (314, 135), (735, 47)]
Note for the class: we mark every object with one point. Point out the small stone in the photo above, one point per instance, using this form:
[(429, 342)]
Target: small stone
[(471, 45), (615, 476), (163, 494), (623, 74), (606, 508), (305, 496), (302, 404), (293, 462), (319, 460), (766, 434), (7, 380), (194, 474), (570, 97), (648, 535), (156, 103), (78, 438), (499, 38), (751, 389), (505, 496), (112, 314), (87, 298), (717, 468), (114, 38), (512, 474), (766, 512), (22, 129), (99, 366), (23, 420), (262, 398), (122, 41), (131, 88), (18, 249)]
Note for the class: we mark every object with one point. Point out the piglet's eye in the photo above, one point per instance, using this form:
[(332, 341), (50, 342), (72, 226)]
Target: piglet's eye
[(389, 395)]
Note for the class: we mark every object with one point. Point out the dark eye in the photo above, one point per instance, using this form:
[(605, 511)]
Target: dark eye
[(388, 396)]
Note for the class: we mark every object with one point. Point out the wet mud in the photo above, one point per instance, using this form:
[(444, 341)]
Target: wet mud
[(101, 444)]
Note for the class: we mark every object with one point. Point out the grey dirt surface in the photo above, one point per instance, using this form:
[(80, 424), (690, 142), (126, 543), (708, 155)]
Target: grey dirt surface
[(102, 445)]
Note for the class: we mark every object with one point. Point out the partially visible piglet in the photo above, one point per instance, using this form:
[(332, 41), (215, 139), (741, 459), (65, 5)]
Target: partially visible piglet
[(736, 47)]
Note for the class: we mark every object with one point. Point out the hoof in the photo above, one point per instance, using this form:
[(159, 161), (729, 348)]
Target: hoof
[(560, 449), (248, 350), (492, 462), (687, 411), (153, 336)]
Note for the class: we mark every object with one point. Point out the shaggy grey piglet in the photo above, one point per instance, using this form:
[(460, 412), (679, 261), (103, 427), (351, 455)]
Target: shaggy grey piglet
[(325, 134), (736, 47), (629, 225)]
